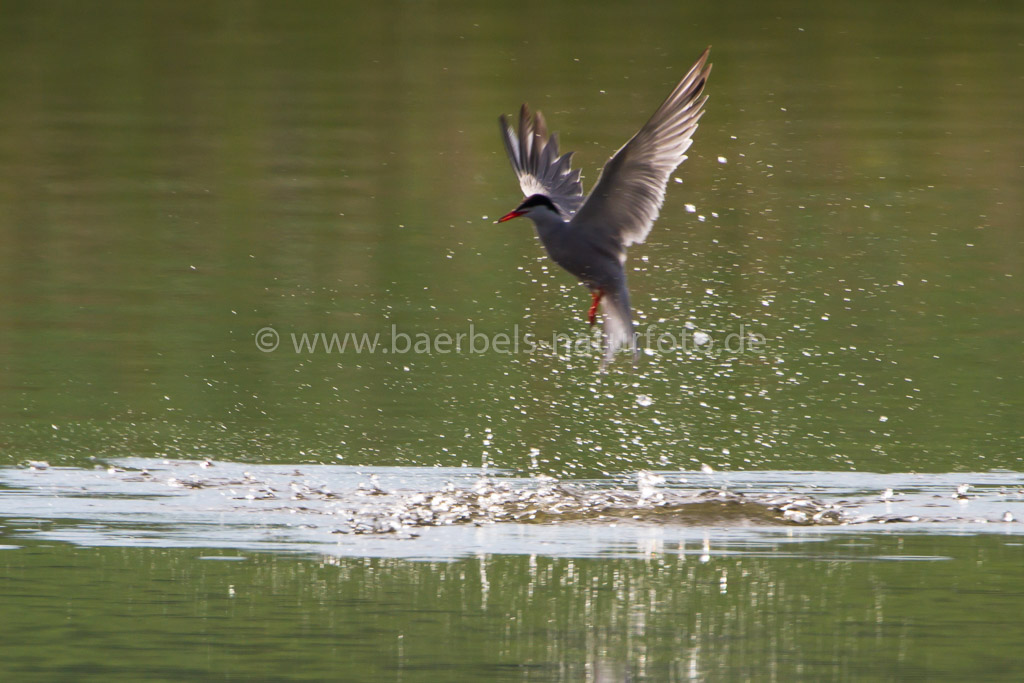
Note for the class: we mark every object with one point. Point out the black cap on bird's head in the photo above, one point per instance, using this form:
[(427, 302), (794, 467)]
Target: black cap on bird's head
[(533, 201)]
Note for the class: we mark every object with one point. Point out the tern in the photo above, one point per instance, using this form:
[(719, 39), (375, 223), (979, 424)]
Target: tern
[(588, 236)]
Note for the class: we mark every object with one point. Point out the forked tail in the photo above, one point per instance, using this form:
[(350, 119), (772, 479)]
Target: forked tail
[(618, 324)]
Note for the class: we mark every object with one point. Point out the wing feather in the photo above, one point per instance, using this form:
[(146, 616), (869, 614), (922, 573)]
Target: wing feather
[(629, 193), (538, 166)]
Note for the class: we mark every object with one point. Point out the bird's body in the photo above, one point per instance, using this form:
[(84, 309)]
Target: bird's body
[(582, 253), (588, 236)]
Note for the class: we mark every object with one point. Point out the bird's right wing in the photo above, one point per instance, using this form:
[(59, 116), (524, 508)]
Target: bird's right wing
[(535, 159), (629, 193)]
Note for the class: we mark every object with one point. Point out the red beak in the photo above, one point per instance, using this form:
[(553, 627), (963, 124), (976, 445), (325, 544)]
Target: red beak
[(510, 215)]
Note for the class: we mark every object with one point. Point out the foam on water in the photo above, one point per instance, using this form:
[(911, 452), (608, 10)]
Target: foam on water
[(448, 512)]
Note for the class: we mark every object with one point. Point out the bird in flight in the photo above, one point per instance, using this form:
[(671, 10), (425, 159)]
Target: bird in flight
[(588, 236)]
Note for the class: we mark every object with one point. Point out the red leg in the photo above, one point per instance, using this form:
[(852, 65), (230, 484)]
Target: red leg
[(592, 313)]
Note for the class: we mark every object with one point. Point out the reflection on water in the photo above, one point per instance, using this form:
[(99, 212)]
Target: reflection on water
[(853, 607)]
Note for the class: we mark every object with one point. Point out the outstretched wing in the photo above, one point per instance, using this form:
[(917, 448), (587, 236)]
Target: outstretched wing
[(535, 159), (631, 189)]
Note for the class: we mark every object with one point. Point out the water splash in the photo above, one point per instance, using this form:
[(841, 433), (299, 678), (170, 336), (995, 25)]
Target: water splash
[(268, 507)]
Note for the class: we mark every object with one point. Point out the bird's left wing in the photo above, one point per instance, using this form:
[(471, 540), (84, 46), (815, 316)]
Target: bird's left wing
[(629, 193), (538, 166)]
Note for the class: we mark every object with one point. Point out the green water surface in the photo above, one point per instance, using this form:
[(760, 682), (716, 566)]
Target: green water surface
[(177, 176)]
